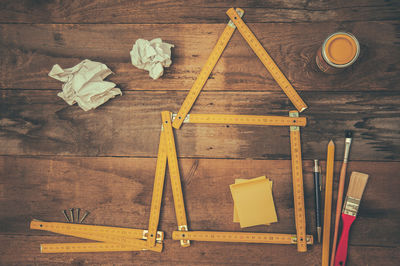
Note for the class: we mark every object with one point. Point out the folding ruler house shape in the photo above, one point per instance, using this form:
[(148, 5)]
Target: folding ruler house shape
[(167, 142), (126, 239)]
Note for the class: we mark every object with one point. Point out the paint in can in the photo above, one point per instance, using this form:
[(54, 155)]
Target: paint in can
[(339, 51)]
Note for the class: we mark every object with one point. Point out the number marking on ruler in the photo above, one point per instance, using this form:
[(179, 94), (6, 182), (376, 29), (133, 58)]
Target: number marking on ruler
[(157, 190), (243, 237), (206, 71), (298, 190), (244, 120), (122, 236), (267, 60), (86, 247), (174, 175)]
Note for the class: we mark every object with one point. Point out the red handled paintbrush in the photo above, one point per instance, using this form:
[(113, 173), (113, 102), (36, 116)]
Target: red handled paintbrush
[(339, 202), (349, 213)]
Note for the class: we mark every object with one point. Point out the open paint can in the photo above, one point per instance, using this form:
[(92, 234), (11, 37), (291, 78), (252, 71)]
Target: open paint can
[(339, 50)]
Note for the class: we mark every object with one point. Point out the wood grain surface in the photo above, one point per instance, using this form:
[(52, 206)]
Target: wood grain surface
[(197, 11), (54, 156), (29, 51), (40, 123), (118, 192), (201, 253)]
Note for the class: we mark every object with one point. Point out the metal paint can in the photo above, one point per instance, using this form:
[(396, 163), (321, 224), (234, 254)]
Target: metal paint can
[(339, 51)]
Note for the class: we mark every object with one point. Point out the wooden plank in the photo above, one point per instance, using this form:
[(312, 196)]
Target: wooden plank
[(200, 253), (118, 192), (40, 123), (105, 186), (28, 53), (197, 11)]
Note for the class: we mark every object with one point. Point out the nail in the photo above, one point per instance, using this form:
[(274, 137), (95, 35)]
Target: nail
[(78, 210), (84, 216), (65, 214), (72, 214)]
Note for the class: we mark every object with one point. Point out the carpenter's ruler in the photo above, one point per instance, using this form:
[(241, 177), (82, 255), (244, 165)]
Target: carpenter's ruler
[(129, 238), (244, 120), (174, 174), (267, 60), (166, 151), (157, 190), (85, 247), (206, 71), (298, 191), (243, 237)]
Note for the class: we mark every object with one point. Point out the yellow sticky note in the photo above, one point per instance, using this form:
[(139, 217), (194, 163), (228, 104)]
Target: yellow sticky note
[(253, 202), (239, 181)]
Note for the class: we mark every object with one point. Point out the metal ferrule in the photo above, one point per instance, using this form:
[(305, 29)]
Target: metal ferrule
[(347, 150), (316, 168), (350, 206)]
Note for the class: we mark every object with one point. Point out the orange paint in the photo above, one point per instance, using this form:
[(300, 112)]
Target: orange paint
[(338, 51), (341, 49)]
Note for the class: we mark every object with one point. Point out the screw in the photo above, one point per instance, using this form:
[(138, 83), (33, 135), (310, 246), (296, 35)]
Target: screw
[(84, 216), (78, 210), (65, 214), (72, 214)]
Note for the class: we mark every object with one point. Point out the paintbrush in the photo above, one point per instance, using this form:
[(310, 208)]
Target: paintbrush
[(349, 213), (339, 202)]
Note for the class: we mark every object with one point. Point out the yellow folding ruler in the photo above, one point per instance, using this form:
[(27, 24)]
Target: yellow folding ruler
[(206, 71), (166, 150), (300, 238), (243, 237), (267, 60), (86, 247), (112, 238), (298, 190), (236, 21), (259, 120)]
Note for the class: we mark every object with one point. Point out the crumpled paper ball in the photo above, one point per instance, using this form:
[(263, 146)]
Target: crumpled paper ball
[(84, 84), (152, 56)]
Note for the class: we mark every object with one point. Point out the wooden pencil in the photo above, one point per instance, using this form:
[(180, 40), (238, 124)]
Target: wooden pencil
[(328, 203), (357, 184), (339, 202)]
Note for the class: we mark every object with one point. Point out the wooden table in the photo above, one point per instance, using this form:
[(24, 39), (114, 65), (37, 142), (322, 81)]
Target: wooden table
[(55, 156)]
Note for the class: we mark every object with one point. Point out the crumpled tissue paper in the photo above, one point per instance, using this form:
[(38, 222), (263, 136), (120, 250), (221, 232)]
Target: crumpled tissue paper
[(151, 56), (84, 84)]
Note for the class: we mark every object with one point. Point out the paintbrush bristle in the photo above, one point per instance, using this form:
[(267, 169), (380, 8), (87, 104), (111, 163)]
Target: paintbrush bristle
[(349, 134), (357, 184), (358, 181)]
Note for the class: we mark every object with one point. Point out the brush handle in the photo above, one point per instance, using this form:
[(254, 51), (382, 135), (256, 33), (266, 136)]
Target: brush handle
[(339, 204), (341, 252)]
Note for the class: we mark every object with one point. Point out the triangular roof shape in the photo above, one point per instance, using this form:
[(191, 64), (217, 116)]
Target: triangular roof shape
[(268, 62)]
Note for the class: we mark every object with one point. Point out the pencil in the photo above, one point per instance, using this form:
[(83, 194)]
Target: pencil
[(339, 202), (328, 203), (358, 181)]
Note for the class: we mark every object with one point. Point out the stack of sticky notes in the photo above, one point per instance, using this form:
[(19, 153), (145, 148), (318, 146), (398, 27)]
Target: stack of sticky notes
[(253, 202)]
